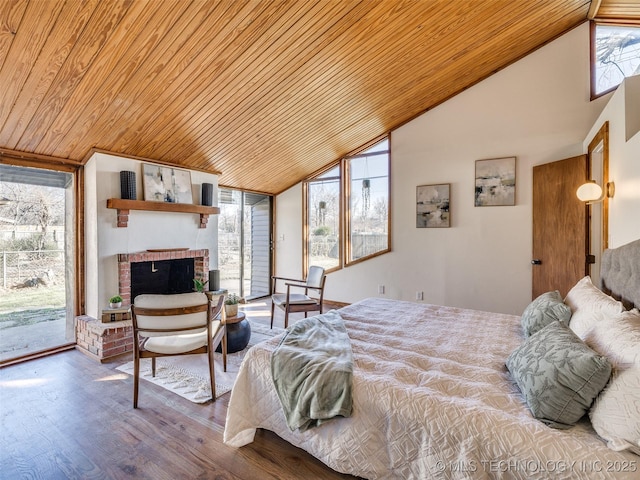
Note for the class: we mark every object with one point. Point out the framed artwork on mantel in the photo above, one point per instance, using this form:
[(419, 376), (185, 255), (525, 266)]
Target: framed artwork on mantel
[(432, 206), (495, 182), (166, 184)]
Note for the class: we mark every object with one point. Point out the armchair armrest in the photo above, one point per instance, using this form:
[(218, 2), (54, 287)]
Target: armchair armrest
[(288, 283), (288, 279), (303, 285)]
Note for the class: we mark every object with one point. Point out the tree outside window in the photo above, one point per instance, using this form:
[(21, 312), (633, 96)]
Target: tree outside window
[(616, 55)]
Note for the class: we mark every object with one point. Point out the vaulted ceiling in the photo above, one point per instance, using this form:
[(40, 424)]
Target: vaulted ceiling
[(263, 92)]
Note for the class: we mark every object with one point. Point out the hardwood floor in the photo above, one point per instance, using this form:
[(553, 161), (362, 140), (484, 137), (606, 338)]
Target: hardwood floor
[(67, 416)]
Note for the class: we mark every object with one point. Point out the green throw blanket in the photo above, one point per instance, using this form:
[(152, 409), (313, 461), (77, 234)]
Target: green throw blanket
[(312, 368)]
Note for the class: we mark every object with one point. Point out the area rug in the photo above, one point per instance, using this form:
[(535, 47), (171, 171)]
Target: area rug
[(188, 375)]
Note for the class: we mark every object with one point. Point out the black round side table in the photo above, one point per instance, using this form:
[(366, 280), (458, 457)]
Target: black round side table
[(238, 333)]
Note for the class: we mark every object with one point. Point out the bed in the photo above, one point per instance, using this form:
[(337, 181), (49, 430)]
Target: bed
[(432, 397)]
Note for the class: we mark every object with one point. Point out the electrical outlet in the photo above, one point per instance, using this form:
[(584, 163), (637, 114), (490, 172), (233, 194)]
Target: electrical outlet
[(419, 296), (381, 289)]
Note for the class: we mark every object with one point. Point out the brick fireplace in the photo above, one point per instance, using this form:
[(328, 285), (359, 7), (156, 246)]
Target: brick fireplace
[(103, 341), (201, 265)]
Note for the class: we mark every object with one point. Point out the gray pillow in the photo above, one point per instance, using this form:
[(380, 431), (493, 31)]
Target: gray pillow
[(558, 374), (545, 309)]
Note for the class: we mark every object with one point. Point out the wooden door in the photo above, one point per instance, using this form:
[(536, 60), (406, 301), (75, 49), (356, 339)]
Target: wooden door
[(560, 240)]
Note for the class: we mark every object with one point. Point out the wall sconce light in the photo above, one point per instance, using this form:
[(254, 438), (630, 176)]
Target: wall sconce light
[(591, 192)]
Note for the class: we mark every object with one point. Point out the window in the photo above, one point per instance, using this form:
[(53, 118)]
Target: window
[(323, 220), (359, 183), (615, 53), (37, 246), (368, 218), (244, 243)]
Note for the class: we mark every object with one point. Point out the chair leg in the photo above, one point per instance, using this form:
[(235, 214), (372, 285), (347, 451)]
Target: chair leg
[(136, 377), (224, 350), (153, 366), (212, 374), (273, 307), (286, 317)]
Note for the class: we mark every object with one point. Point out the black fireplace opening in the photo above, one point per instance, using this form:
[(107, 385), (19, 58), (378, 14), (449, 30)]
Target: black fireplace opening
[(162, 276)]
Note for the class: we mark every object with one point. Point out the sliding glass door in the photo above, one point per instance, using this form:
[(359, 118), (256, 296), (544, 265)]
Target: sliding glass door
[(244, 243), (36, 260)]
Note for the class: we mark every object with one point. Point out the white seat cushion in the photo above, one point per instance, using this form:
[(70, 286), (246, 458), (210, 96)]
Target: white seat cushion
[(175, 344), (294, 298)]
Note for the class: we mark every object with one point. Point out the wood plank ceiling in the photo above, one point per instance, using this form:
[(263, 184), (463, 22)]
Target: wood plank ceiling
[(263, 92)]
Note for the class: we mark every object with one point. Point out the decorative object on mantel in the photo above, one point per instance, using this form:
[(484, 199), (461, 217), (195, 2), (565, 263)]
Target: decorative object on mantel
[(214, 280), (432, 206), (207, 194), (495, 182), (128, 185), (166, 184), (115, 301), (123, 207)]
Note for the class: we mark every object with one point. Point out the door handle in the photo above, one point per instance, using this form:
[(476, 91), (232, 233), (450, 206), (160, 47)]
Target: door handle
[(536, 261)]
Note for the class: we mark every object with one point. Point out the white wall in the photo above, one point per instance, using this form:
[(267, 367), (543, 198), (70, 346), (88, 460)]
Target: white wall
[(104, 240), (622, 112), (538, 110)]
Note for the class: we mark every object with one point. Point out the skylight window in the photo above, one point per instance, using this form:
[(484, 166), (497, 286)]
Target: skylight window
[(615, 55)]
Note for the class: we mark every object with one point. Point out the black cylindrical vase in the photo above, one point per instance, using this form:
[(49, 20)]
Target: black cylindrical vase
[(128, 185), (207, 194), (214, 280)]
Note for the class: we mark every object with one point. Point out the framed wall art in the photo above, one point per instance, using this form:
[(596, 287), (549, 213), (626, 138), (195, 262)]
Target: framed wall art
[(166, 184), (432, 206), (495, 182)]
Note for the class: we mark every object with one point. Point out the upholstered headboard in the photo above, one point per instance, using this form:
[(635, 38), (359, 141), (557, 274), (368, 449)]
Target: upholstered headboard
[(620, 273)]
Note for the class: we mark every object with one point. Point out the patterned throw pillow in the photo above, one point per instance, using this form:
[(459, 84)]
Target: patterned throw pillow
[(586, 300), (545, 309), (615, 415), (558, 374)]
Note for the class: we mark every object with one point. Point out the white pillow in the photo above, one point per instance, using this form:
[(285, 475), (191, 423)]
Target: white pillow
[(585, 300), (615, 414)]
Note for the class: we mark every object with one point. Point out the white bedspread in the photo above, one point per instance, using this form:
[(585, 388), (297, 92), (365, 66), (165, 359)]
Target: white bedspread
[(432, 398)]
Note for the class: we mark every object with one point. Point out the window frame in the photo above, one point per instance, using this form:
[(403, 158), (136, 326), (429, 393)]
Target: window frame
[(306, 216), (347, 200), (344, 204), (593, 25)]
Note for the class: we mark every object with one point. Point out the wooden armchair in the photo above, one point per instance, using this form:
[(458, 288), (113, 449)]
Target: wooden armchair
[(180, 324), (299, 302)]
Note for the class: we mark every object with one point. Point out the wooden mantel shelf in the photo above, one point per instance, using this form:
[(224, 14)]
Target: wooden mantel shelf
[(123, 207)]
